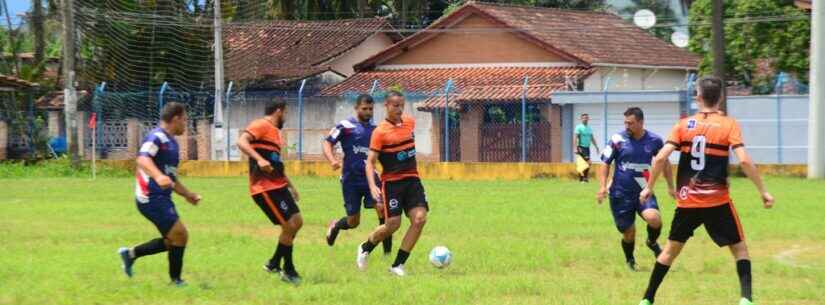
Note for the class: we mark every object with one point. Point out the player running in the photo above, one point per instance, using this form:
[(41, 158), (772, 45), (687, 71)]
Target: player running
[(632, 151), (582, 138), (393, 144), (157, 177), (270, 188), (354, 135), (704, 141)]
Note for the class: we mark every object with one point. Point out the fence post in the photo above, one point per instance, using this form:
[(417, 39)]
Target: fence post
[(779, 81), (604, 118), (31, 123), (228, 118), (447, 88), (374, 86), (524, 120), (97, 110), (301, 120), (688, 94), (160, 96)]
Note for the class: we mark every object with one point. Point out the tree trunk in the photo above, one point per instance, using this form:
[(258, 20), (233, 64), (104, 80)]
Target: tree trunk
[(363, 9), (38, 29)]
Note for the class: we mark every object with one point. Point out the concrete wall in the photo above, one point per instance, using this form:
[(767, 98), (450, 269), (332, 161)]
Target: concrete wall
[(4, 140), (636, 79), (371, 46), (474, 47), (758, 115)]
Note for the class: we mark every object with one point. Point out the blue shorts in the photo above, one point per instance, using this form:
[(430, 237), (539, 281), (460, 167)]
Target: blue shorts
[(160, 212), (354, 196), (625, 210)]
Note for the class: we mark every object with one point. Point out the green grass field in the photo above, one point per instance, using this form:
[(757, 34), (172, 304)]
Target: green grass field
[(528, 242)]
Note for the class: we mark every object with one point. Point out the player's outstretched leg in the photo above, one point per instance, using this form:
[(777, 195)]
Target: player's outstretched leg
[(381, 232), (628, 247), (654, 229), (129, 255), (743, 269), (663, 263), (387, 242), (285, 247), (344, 223), (418, 218), (177, 237)]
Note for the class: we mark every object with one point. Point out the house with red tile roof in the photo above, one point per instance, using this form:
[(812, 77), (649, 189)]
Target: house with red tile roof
[(495, 54)]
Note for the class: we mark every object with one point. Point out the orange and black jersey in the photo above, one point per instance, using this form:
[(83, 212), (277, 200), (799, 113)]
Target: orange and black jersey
[(266, 140), (705, 141), (395, 145)]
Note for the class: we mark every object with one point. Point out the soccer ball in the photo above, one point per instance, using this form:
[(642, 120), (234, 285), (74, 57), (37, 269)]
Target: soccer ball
[(441, 257)]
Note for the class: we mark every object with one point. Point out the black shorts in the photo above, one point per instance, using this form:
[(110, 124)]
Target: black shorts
[(403, 195), (721, 222), (277, 204), (584, 152)]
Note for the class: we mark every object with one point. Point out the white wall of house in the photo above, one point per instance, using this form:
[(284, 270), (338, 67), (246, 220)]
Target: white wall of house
[(636, 79), (371, 46)]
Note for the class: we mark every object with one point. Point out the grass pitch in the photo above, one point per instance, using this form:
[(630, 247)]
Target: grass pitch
[(523, 242)]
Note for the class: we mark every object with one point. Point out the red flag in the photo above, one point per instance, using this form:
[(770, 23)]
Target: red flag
[(93, 121)]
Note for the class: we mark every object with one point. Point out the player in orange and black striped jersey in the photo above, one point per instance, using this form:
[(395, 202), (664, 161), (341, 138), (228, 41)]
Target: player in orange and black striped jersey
[(269, 186), (393, 144), (704, 141)]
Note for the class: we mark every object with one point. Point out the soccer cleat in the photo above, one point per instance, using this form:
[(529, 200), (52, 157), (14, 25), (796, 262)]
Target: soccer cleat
[(645, 302), (273, 270), (632, 266), (654, 246), (399, 270), (293, 279), (361, 258), (332, 233), (745, 301), (180, 283), (127, 261)]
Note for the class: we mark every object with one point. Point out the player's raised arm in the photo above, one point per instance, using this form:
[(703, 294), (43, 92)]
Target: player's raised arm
[(747, 165), (327, 147), (660, 161), (246, 148), (372, 157)]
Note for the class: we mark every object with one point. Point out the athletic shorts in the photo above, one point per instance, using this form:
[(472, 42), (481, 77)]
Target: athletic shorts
[(721, 223), (625, 209), (277, 204), (403, 195), (584, 152), (355, 195), (161, 212)]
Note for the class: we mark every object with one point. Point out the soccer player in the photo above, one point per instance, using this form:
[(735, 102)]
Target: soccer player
[(582, 138), (156, 175), (704, 141), (632, 151), (354, 134), (270, 188), (393, 144)]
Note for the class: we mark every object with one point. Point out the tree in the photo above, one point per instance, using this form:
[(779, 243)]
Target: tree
[(38, 27), (781, 45)]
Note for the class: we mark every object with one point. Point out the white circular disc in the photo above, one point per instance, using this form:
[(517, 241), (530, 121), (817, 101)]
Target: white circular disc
[(680, 39), (644, 18)]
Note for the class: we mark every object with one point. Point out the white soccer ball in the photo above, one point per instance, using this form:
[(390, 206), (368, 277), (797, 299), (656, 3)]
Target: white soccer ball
[(441, 257)]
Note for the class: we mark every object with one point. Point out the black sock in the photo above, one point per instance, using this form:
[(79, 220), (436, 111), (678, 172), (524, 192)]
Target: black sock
[(342, 224), (743, 268), (367, 246), (289, 268), (401, 258), (653, 234), (175, 262), (628, 250), (586, 175), (387, 242), (154, 246), (656, 277), (275, 261)]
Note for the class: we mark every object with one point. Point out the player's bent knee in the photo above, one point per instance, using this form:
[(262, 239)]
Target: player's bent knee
[(353, 222), (393, 223), (419, 220)]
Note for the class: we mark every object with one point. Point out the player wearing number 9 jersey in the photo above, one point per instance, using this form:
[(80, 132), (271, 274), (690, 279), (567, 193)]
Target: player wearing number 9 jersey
[(704, 141)]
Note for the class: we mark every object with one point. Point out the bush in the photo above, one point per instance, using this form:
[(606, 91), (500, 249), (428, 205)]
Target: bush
[(61, 167)]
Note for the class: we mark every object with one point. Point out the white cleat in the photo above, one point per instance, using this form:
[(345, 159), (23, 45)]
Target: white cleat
[(361, 259), (399, 271)]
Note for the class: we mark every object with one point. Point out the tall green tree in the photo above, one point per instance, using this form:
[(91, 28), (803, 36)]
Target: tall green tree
[(782, 42)]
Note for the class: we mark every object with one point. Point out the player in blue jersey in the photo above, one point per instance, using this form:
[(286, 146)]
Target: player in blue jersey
[(157, 167), (354, 135), (632, 151)]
